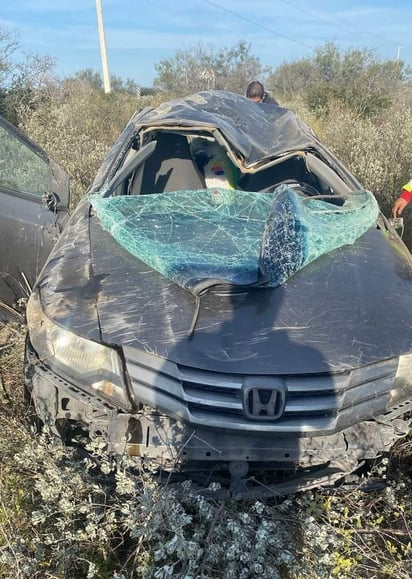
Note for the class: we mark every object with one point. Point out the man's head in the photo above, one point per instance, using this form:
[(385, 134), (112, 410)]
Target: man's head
[(255, 91)]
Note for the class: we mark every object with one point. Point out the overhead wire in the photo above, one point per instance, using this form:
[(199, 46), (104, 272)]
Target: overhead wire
[(355, 28), (262, 26), (334, 22)]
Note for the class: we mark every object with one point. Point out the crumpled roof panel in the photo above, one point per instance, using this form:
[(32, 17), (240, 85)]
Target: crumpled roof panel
[(251, 133)]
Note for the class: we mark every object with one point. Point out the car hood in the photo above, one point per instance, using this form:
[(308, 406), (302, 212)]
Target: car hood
[(346, 309)]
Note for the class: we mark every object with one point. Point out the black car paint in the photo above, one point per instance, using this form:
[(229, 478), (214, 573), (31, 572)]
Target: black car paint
[(340, 314), (29, 226), (362, 290), (344, 310)]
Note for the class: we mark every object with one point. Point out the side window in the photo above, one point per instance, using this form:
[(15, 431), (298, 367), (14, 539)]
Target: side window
[(21, 168)]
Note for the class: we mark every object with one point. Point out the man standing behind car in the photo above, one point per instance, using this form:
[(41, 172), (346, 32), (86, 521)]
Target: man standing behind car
[(256, 93), (402, 201)]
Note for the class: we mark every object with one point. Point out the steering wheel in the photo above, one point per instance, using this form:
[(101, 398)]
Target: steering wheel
[(300, 187)]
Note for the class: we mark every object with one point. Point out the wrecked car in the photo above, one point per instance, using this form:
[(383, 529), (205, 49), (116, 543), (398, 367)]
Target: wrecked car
[(227, 299)]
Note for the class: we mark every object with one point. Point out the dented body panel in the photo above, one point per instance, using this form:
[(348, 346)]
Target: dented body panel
[(315, 374)]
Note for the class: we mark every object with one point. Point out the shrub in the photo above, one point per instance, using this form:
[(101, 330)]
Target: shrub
[(77, 124)]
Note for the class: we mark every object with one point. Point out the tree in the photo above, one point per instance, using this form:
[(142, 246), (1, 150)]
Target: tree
[(21, 82), (190, 70), (291, 79), (86, 76), (201, 67), (356, 78), (236, 67), (8, 45), (30, 83)]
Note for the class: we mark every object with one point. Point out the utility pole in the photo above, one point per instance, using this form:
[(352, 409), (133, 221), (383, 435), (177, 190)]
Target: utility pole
[(102, 41), (398, 53)]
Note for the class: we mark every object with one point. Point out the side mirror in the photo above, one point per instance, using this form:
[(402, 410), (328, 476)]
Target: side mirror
[(397, 224), (51, 201)]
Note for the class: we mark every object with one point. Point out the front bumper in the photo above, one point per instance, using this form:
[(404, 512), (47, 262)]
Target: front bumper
[(178, 445)]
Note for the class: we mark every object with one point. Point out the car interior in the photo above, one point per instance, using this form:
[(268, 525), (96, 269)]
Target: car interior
[(170, 161)]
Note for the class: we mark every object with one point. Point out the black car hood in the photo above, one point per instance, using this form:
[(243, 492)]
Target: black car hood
[(347, 309)]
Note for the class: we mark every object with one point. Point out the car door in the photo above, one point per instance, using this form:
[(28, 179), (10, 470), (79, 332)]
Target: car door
[(34, 201)]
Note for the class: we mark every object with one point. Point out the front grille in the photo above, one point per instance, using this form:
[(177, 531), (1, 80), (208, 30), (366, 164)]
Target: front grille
[(316, 403)]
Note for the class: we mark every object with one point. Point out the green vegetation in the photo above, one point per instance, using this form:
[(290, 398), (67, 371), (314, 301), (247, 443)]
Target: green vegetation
[(356, 79), (358, 105), (201, 67), (63, 515)]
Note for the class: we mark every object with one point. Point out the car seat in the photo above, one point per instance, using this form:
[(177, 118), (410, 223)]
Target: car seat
[(170, 168)]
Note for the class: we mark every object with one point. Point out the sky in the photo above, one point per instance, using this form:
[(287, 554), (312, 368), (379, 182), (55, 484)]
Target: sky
[(141, 33)]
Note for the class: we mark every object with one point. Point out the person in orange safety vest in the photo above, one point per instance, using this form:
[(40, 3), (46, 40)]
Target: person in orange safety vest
[(402, 201)]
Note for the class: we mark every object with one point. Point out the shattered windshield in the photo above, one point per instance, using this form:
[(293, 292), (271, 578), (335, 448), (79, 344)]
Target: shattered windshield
[(230, 236)]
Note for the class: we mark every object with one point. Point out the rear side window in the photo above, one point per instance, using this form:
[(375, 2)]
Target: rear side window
[(21, 168)]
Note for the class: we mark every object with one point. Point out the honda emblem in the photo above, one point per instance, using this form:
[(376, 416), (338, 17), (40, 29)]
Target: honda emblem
[(264, 401)]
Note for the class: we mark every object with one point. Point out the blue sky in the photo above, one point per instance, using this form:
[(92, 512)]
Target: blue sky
[(140, 33)]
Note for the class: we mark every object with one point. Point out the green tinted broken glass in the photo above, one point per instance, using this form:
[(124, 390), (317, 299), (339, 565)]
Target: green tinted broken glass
[(231, 236)]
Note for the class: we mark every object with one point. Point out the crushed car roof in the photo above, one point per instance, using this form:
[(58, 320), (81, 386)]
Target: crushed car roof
[(255, 132)]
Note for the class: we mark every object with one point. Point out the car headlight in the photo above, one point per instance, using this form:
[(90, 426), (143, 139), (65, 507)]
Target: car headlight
[(403, 381), (86, 363)]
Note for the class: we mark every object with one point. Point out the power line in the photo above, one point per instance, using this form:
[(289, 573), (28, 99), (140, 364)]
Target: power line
[(316, 16), (355, 29), (332, 21), (258, 25)]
